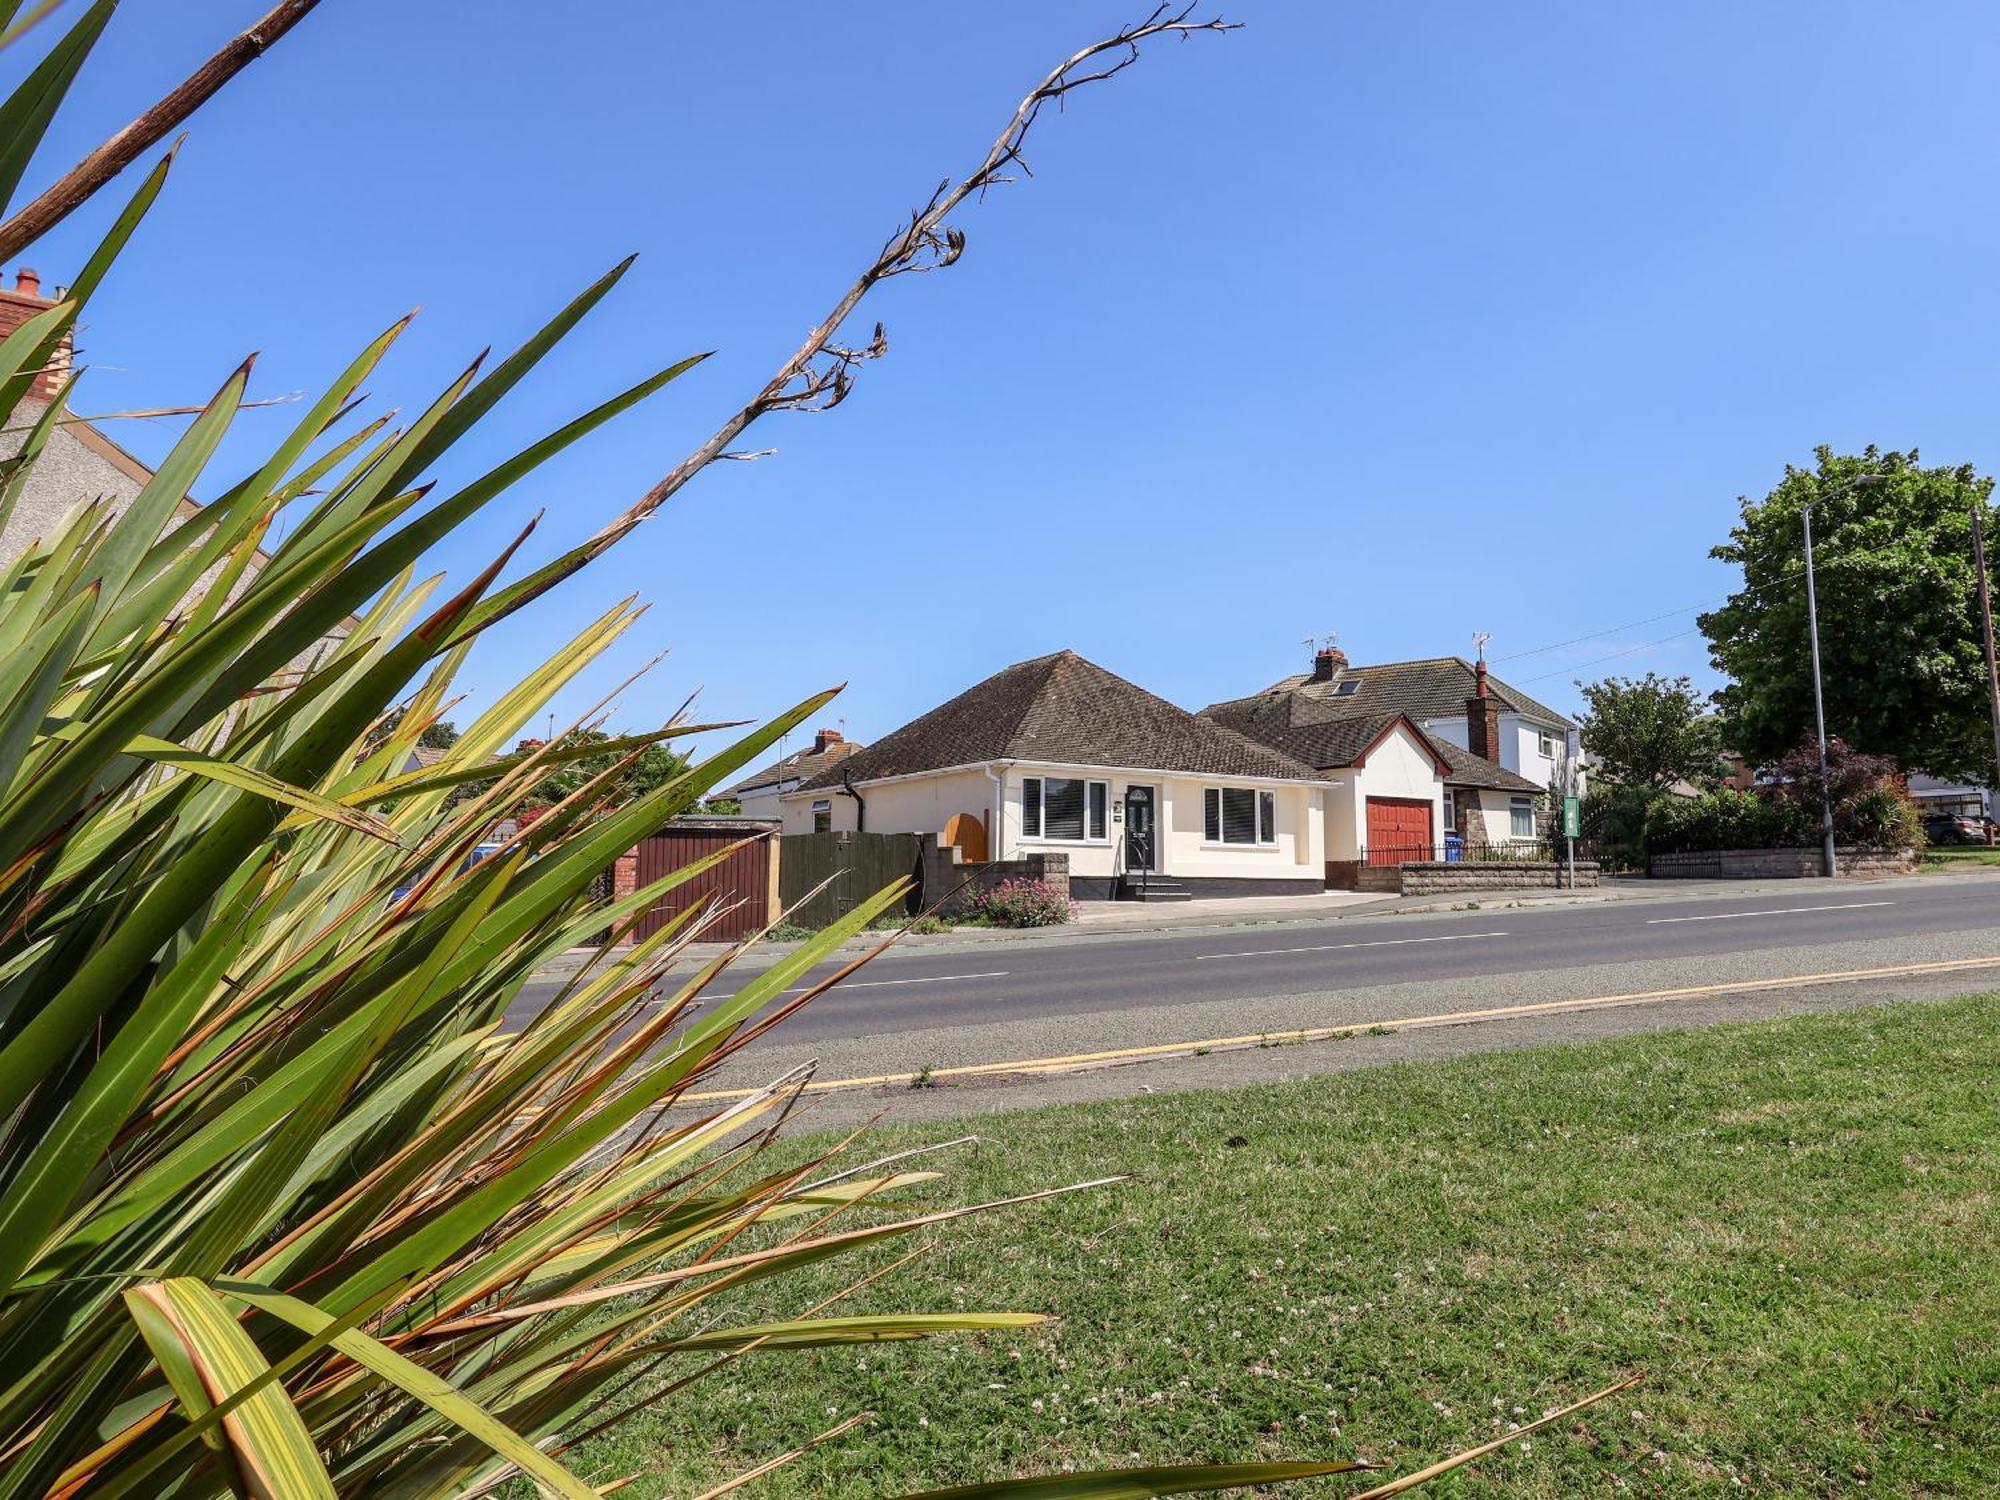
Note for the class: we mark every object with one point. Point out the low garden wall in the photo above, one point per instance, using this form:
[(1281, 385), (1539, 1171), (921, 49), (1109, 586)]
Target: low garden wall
[(1448, 877), (950, 884), (1778, 864)]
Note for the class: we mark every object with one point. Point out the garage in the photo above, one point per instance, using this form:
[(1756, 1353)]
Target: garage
[(1399, 829)]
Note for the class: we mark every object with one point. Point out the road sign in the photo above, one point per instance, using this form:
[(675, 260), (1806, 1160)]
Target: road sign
[(1572, 817)]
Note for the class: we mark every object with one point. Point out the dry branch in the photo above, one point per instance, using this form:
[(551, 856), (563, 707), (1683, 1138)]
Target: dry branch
[(820, 372), (119, 151)]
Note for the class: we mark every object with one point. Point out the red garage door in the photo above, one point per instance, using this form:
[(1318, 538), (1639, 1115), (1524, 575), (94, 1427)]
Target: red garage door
[(1399, 829)]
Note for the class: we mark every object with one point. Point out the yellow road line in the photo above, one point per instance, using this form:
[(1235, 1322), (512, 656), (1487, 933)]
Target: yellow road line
[(1076, 1060)]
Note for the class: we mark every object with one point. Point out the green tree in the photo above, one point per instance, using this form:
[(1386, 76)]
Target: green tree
[(1899, 631), (1650, 732), (655, 766)]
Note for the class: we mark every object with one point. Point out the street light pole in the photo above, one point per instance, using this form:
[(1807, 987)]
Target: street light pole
[(1986, 630), (1819, 706)]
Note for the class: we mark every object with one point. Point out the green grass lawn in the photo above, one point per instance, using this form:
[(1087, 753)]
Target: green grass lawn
[(1792, 1227), (1958, 858)]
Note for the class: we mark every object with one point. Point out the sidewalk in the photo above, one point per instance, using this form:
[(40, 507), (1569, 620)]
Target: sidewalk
[(1109, 921)]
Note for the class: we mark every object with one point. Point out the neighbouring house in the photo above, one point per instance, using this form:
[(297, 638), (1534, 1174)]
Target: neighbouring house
[(1429, 757), (78, 462), (758, 793), (1058, 755)]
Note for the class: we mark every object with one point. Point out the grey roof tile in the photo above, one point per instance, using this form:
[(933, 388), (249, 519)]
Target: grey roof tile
[(1063, 710)]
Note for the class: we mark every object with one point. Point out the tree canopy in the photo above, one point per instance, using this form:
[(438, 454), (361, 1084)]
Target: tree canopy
[(1650, 732), (1902, 660)]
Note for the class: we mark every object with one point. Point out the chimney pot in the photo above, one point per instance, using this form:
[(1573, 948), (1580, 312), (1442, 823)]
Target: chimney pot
[(28, 283), (1328, 663), (826, 737)]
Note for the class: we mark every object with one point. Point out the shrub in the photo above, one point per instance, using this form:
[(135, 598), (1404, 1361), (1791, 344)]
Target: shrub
[(1725, 819), (1023, 903)]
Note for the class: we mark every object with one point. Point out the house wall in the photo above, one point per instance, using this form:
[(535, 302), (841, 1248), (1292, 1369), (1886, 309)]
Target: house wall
[(1398, 767), (919, 805), (925, 804), (1520, 744), (1496, 809), (765, 804)]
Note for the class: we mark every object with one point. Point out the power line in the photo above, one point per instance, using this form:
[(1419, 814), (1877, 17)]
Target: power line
[(1784, 581)]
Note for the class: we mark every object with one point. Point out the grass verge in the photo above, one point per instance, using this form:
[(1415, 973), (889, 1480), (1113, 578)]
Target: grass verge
[(1792, 1226)]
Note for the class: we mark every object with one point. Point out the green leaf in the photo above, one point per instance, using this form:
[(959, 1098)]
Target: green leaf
[(28, 111), (207, 1357), (249, 779), (439, 1394)]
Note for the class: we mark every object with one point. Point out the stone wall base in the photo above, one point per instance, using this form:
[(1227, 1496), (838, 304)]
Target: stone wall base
[(1447, 877), (1780, 864)]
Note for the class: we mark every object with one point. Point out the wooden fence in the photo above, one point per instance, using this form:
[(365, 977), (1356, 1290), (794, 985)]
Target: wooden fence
[(746, 883), (857, 864)]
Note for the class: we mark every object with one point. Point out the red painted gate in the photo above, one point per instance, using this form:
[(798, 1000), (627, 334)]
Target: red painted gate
[(1399, 830), (744, 884)]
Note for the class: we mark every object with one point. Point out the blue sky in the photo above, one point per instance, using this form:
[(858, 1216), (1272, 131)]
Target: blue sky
[(1401, 322)]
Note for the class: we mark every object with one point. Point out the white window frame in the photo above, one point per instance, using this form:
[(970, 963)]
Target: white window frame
[(1219, 842), (1545, 743), (823, 808), (1514, 806), (1450, 811), (1040, 784)]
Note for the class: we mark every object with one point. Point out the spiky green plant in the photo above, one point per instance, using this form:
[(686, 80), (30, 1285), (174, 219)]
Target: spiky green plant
[(288, 1207)]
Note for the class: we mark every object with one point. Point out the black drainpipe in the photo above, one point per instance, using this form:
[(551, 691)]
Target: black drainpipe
[(860, 807)]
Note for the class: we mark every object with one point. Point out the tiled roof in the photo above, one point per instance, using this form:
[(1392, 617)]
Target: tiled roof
[(1468, 769), (1063, 710), (1306, 721), (1435, 688), (797, 766)]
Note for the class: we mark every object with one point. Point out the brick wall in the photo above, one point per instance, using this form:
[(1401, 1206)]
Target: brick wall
[(1446, 877), (950, 884)]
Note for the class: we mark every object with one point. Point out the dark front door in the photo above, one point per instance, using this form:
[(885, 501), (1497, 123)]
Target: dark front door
[(1140, 837)]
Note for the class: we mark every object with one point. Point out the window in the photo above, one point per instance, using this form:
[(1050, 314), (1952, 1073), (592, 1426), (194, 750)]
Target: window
[(1521, 817), (1059, 807), (1546, 743), (823, 815), (1450, 810), (1238, 815), (1345, 689)]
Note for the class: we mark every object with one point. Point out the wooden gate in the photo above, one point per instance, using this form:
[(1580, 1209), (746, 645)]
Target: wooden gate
[(1399, 830), (857, 864), (744, 884)]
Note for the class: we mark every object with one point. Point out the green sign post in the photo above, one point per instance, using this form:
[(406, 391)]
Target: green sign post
[(1572, 817)]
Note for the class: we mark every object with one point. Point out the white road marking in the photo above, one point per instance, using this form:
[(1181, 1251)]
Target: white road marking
[(876, 984), (1782, 911), (1456, 937)]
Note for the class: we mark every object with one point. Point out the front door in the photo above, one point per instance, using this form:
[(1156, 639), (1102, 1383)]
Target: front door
[(1140, 833)]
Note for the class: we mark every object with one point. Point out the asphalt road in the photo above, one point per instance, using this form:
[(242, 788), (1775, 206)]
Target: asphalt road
[(1017, 982), (1019, 1001)]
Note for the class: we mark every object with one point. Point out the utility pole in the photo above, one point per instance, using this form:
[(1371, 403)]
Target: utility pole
[(1986, 627), (1819, 707)]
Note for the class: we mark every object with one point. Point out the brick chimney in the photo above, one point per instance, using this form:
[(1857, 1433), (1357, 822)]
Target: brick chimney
[(1482, 719), (18, 305), (824, 737), (1328, 663)]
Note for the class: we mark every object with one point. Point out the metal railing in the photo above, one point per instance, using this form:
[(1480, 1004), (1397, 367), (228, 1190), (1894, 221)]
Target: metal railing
[(1455, 850)]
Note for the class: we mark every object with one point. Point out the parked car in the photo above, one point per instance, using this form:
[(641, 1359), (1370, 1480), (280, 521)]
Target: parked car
[(1954, 828)]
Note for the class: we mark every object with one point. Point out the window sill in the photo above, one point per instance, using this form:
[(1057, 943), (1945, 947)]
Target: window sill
[(1243, 848), (1066, 843)]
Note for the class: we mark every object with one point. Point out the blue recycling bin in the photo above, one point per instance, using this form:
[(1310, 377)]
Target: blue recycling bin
[(1454, 847)]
